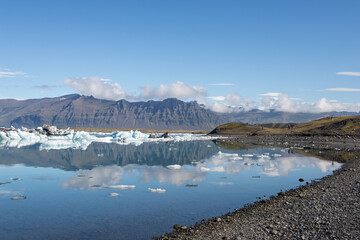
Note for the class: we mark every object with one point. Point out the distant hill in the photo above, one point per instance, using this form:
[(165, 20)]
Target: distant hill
[(324, 126), (82, 111)]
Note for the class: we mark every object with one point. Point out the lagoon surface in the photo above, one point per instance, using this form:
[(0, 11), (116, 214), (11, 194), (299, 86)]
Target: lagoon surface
[(68, 190)]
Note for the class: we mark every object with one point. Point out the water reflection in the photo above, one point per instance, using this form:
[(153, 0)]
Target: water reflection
[(162, 153), (270, 164)]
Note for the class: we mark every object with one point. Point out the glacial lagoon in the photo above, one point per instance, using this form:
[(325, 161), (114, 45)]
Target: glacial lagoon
[(102, 191)]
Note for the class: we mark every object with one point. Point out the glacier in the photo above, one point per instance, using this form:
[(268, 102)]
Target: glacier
[(81, 140)]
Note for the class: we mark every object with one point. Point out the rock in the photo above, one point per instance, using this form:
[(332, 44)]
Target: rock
[(177, 226), (301, 180), (165, 135), (281, 194), (183, 227)]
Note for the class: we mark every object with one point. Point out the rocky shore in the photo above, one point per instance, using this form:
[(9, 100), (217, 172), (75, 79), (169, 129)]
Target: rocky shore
[(326, 209)]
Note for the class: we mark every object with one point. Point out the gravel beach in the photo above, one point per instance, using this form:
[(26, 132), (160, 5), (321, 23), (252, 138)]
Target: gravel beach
[(326, 209)]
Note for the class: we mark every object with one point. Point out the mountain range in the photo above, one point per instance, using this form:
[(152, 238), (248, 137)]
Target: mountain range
[(85, 111)]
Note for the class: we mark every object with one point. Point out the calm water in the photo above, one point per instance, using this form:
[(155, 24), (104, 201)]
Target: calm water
[(64, 200)]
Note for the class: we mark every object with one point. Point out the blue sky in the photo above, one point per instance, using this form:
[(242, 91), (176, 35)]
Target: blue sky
[(286, 55)]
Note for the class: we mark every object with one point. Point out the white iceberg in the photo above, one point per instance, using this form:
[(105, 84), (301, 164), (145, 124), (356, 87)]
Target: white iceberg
[(81, 140), (157, 190), (121, 187), (174, 167), (114, 194)]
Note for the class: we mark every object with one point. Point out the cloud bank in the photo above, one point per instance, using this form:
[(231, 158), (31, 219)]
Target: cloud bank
[(96, 87), (355, 74), (106, 89)]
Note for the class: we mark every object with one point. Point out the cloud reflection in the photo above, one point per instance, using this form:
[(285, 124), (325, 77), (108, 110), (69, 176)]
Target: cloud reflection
[(270, 164)]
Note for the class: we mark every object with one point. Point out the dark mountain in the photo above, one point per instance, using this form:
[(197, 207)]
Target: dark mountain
[(82, 111)]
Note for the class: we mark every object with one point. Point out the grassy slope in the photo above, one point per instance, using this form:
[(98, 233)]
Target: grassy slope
[(331, 126)]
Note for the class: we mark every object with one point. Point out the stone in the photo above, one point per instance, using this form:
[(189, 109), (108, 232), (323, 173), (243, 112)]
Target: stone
[(177, 226)]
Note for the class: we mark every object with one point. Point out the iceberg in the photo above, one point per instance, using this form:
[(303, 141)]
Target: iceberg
[(157, 190), (121, 187), (63, 139)]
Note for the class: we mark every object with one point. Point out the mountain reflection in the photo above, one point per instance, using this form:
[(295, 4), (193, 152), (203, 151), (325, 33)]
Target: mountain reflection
[(270, 164), (161, 153)]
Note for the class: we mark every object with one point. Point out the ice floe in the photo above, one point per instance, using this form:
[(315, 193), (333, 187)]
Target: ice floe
[(114, 194), (63, 139), (121, 187), (157, 190)]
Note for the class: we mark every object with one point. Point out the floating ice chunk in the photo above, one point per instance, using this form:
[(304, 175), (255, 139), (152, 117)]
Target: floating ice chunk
[(222, 183), (119, 186), (157, 190), (277, 155), (173, 167), (263, 156), (18, 198), (16, 179), (205, 169), (247, 155), (114, 194)]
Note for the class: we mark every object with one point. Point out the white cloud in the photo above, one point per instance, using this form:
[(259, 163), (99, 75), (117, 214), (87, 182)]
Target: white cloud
[(355, 74), (270, 94), (9, 74), (96, 87), (105, 79), (221, 84), (285, 104), (342, 89), (178, 90), (217, 98)]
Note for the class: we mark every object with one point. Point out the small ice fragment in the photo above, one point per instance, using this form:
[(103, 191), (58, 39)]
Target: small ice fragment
[(208, 146), (247, 155), (204, 169), (157, 190), (173, 167), (18, 198), (222, 183), (277, 155), (16, 179), (119, 186), (114, 194)]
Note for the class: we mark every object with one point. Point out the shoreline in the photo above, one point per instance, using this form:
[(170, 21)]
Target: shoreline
[(325, 209)]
